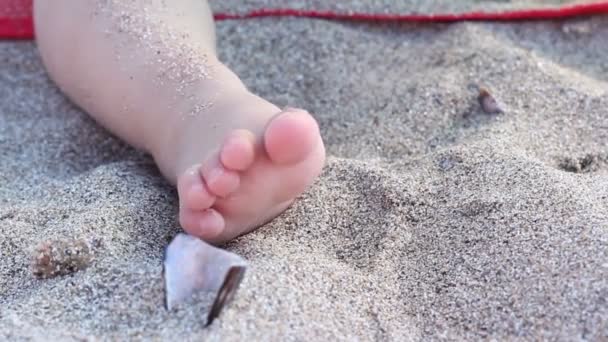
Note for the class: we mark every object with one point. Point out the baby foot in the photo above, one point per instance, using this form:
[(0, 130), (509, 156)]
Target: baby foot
[(238, 161), (249, 180)]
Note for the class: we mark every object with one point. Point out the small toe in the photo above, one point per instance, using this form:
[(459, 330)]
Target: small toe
[(220, 181), (238, 151), (193, 193), (291, 137), (198, 198), (206, 224)]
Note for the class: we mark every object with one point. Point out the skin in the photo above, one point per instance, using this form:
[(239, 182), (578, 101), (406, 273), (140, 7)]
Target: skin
[(147, 70)]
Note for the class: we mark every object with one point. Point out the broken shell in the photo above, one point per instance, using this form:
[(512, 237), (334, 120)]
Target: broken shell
[(226, 293), (192, 265), (60, 257), (488, 103)]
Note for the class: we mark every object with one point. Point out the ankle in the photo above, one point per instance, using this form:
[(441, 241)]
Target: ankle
[(195, 113), (190, 136)]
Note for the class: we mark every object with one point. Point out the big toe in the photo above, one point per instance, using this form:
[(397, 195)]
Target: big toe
[(291, 136)]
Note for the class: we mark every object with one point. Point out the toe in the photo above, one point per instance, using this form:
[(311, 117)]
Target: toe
[(206, 224), (291, 137), (238, 151), (220, 181), (193, 194)]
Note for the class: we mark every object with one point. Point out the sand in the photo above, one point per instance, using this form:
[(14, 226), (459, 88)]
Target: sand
[(431, 221)]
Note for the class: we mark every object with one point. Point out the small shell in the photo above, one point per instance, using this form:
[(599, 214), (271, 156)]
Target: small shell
[(192, 265), (60, 257), (488, 103)]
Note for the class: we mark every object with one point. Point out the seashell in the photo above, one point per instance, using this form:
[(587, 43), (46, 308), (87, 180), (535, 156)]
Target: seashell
[(192, 265), (59, 257), (488, 103)]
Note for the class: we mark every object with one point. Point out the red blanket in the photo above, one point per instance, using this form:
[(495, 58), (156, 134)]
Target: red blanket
[(16, 15)]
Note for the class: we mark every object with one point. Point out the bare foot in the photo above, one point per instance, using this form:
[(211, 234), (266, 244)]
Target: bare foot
[(266, 159)]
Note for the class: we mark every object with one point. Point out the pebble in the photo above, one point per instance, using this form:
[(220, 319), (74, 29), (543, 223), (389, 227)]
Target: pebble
[(59, 257)]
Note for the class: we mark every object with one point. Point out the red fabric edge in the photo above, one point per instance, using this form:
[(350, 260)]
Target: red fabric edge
[(23, 28), (529, 14), (16, 28)]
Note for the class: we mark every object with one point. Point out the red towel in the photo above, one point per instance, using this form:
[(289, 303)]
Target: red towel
[(16, 15), (16, 19)]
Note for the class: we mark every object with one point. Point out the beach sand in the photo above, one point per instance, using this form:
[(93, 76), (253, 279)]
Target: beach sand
[(431, 221)]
